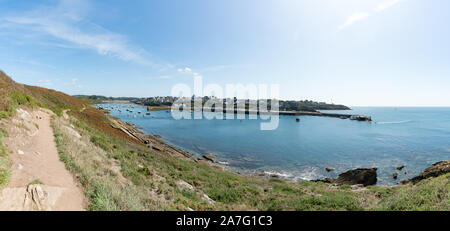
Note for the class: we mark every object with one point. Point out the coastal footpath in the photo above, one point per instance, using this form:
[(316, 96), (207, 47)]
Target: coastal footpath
[(117, 167)]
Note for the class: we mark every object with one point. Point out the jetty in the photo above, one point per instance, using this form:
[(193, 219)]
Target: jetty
[(290, 113)]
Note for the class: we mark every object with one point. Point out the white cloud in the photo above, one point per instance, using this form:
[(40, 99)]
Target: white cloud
[(189, 71), (387, 4), (186, 70), (354, 18), (363, 15), (65, 21)]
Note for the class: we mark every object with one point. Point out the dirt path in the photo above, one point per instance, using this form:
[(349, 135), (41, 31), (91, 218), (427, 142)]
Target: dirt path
[(35, 157)]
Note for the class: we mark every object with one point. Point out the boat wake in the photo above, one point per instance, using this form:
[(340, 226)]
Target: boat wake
[(395, 122), (306, 175)]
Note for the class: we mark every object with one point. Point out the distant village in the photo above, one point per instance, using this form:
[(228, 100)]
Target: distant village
[(284, 105)]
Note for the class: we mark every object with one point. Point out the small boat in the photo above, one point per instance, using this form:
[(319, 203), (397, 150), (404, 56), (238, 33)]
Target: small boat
[(297, 119)]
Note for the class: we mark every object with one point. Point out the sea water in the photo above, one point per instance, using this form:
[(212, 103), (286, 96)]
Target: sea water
[(414, 137)]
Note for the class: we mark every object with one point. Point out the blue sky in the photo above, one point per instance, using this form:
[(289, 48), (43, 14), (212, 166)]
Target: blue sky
[(354, 52)]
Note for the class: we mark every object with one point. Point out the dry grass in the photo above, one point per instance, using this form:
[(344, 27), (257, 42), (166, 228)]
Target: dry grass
[(98, 120), (13, 94), (5, 163), (99, 173)]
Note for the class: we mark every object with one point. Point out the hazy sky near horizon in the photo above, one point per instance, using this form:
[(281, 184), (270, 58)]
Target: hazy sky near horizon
[(353, 52)]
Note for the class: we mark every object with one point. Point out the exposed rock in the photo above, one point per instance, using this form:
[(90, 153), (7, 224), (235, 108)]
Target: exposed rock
[(439, 168), (157, 148), (208, 199), (363, 176), (395, 176), (329, 169), (209, 158), (400, 167), (73, 132), (358, 188), (361, 118), (185, 185), (30, 198), (36, 197), (313, 194)]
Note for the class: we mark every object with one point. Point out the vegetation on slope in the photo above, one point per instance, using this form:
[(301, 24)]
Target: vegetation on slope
[(5, 171), (13, 95)]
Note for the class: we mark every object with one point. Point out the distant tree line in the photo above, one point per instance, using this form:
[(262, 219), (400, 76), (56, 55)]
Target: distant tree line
[(284, 105)]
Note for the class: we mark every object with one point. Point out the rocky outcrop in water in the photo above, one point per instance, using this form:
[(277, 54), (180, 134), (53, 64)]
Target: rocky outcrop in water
[(361, 118), (438, 169), (209, 158), (362, 176), (399, 168), (395, 176)]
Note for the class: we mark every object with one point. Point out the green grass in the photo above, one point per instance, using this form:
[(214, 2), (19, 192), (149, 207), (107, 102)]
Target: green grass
[(16, 99), (106, 189), (5, 171), (4, 114), (428, 195), (36, 181), (19, 98)]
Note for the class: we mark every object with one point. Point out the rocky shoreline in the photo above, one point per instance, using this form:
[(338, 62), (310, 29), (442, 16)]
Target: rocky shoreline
[(362, 176), (151, 141)]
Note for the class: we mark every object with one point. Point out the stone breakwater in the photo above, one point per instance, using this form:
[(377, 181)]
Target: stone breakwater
[(285, 113)]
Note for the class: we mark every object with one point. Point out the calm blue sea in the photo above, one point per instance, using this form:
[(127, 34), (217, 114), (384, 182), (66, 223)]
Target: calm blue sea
[(414, 137)]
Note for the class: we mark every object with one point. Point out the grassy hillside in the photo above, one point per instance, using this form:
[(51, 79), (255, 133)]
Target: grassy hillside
[(13, 95), (5, 171), (119, 173)]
